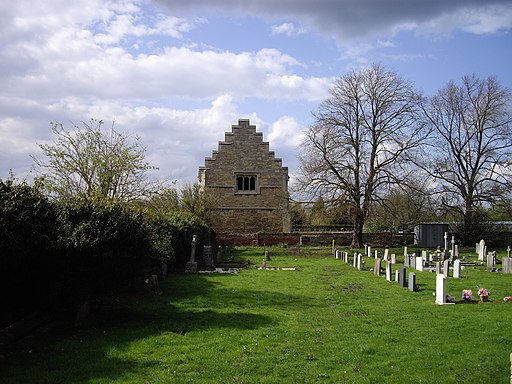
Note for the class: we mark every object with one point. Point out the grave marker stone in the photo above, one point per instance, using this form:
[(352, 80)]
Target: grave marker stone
[(191, 266), (456, 269), (397, 276), (208, 256), (359, 261), (506, 263), (446, 268), (393, 258), (438, 267), (376, 266), (402, 280), (441, 289), (419, 263), (490, 261), (386, 253), (412, 282), (337, 254), (388, 270), (481, 250)]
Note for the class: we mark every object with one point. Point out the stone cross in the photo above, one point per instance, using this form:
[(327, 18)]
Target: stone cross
[(191, 266)]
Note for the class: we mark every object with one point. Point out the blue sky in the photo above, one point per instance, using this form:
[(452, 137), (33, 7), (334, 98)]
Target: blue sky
[(179, 73)]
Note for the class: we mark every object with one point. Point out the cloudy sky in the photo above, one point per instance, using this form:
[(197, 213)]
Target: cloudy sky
[(179, 73)]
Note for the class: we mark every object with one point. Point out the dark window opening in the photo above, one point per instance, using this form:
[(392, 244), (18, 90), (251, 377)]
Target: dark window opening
[(246, 183)]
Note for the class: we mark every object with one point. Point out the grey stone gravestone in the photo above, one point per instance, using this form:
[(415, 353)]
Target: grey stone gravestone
[(402, 279), (490, 261), (376, 266), (412, 281), (355, 260), (481, 250), (393, 258), (208, 256), (337, 254), (267, 255), (407, 262), (438, 267), (446, 268), (456, 269), (506, 264)]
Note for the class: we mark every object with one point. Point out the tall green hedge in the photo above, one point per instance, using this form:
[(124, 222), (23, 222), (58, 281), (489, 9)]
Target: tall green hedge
[(56, 254)]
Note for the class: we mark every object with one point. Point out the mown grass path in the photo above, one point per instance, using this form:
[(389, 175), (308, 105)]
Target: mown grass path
[(325, 322)]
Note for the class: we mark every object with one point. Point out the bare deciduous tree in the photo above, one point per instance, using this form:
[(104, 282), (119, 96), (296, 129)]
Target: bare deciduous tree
[(470, 150), (352, 152), (92, 162)]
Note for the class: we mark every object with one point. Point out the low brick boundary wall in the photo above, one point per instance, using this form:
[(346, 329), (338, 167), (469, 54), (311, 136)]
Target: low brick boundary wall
[(381, 239)]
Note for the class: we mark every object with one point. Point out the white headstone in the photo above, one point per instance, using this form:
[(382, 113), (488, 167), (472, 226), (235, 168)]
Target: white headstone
[(419, 263), (393, 258), (397, 274), (388, 270), (359, 261), (481, 250), (405, 251), (440, 289), (456, 269), (386, 254)]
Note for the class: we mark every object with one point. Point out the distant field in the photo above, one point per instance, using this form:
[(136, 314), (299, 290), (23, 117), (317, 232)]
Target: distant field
[(323, 322)]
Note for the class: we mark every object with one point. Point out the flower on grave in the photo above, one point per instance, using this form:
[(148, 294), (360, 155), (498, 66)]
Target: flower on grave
[(483, 292), (508, 298), (467, 294)]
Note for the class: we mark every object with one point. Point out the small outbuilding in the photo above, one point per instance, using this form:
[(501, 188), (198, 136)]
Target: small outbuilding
[(430, 234)]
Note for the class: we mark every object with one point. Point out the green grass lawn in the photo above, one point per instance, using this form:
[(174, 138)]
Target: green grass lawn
[(325, 322)]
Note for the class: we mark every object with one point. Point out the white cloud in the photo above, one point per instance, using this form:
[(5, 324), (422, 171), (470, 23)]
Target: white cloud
[(288, 29), (286, 132)]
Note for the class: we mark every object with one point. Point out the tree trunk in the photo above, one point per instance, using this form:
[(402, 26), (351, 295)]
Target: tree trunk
[(357, 238)]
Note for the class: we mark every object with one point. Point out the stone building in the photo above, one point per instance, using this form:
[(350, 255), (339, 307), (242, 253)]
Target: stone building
[(248, 184)]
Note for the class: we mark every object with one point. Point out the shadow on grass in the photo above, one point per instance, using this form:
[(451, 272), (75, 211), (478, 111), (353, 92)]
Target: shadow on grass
[(66, 353)]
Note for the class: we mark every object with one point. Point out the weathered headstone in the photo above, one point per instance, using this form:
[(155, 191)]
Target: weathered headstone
[(412, 282), (438, 267), (506, 264), (456, 269), (445, 241), (405, 251), (407, 261), (355, 260), (393, 258), (446, 268), (456, 251), (369, 254), (388, 270), (191, 266), (267, 256), (208, 256), (397, 276), (337, 254), (412, 261), (490, 261), (386, 253), (377, 266), (402, 279), (481, 250)]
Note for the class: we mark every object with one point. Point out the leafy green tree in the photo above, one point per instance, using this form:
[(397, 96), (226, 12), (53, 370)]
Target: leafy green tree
[(93, 162)]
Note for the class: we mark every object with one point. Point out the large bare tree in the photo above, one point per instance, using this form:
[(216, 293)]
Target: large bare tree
[(91, 161), (470, 150), (352, 152)]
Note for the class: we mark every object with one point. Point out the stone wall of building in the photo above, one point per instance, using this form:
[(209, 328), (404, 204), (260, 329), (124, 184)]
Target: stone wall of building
[(248, 184)]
